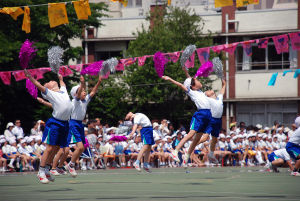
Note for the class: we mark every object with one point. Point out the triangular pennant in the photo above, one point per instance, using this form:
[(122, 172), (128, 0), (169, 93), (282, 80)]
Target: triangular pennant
[(57, 14), (281, 43), (14, 12), (190, 62), (6, 77), (203, 54), (82, 9), (295, 40)]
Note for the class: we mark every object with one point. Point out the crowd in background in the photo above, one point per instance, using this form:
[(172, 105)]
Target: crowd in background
[(243, 145)]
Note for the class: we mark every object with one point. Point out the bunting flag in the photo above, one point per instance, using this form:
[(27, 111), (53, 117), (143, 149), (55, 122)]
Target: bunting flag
[(64, 71), (241, 3), (57, 14), (203, 54), (223, 3), (218, 48), (191, 61), (295, 40), (37, 73), (120, 66), (247, 47), (128, 61), (169, 2), (297, 72), (262, 43), (124, 2), (285, 72), (173, 56), (273, 79), (26, 20), (82, 9), (230, 48), (281, 43), (14, 12), (142, 60), (6, 77), (76, 67)]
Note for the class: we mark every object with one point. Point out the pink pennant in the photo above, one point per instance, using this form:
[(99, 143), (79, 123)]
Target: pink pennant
[(247, 46), (218, 48), (142, 60), (204, 69), (120, 67), (295, 40), (65, 71), (262, 42), (128, 61), (230, 48), (76, 67), (38, 73), (203, 54), (190, 62), (19, 75), (6, 77), (281, 43), (31, 88), (172, 56)]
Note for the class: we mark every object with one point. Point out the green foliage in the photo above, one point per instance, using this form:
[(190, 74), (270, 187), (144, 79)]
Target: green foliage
[(141, 87), (14, 100)]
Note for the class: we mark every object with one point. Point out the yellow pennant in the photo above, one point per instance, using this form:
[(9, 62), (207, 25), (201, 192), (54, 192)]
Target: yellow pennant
[(241, 3), (57, 14), (82, 9), (26, 20), (124, 2), (223, 3), (14, 12), (169, 2)]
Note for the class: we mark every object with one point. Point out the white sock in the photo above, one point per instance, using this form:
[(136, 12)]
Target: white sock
[(11, 161)]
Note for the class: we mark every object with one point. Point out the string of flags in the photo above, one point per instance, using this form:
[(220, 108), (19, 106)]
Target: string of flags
[(239, 3), (27, 52), (57, 13)]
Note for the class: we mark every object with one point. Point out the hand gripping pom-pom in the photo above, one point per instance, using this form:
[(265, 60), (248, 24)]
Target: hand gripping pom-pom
[(187, 53)]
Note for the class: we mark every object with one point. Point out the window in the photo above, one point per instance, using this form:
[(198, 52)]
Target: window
[(107, 55), (134, 4), (265, 59)]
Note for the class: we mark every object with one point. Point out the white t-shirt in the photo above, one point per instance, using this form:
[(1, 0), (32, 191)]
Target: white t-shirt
[(13, 149), (18, 131), (201, 101), (79, 108), (6, 149), (141, 120), (157, 134), (276, 145), (295, 138), (282, 153), (233, 145), (8, 134), (222, 145), (61, 104), (23, 150), (216, 106)]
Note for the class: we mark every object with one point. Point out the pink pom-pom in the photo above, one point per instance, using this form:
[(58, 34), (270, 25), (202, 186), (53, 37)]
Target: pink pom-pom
[(204, 70), (31, 88), (159, 63), (92, 69), (118, 138), (86, 145), (27, 52)]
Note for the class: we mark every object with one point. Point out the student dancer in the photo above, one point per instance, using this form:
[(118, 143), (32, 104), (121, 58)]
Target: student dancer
[(143, 121), (200, 122), (56, 131), (279, 158)]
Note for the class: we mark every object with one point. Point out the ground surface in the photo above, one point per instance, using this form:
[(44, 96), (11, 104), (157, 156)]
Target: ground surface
[(163, 184)]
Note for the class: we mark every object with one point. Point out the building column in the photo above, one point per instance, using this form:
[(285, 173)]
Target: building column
[(298, 57)]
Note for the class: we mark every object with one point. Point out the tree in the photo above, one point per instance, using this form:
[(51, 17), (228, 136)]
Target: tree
[(140, 87), (14, 100)]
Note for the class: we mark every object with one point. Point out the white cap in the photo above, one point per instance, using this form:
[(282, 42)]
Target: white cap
[(20, 137), (245, 135), (2, 137), (260, 135), (12, 141), (37, 138), (297, 122), (187, 83), (29, 140), (266, 128), (155, 124), (240, 136), (74, 91), (222, 135), (232, 132), (86, 129), (2, 141), (287, 129), (168, 137), (183, 132), (234, 138), (265, 136), (228, 136), (259, 126), (23, 141), (9, 124), (173, 135)]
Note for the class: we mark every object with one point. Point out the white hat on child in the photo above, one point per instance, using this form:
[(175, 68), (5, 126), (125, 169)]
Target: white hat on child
[(74, 91), (187, 83), (9, 125)]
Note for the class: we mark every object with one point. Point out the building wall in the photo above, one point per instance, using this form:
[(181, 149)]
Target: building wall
[(255, 85)]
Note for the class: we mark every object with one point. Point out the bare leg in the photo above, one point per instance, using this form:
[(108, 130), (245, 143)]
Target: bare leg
[(48, 155), (194, 143), (185, 139), (77, 152), (64, 156)]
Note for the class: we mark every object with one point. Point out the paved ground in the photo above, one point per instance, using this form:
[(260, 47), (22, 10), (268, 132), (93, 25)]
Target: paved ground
[(163, 184)]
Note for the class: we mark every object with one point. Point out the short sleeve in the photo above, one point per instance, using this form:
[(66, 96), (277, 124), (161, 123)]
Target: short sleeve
[(220, 97), (88, 98), (63, 88), (48, 94)]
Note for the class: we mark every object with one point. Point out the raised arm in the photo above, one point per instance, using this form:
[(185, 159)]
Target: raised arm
[(186, 72), (44, 102), (133, 130), (223, 87), (34, 81), (94, 90), (61, 80), (175, 82), (82, 86)]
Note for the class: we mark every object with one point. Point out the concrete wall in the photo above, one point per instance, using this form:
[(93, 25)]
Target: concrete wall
[(255, 85)]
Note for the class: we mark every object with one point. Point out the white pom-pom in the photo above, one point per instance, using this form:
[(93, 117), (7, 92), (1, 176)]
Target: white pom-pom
[(55, 58)]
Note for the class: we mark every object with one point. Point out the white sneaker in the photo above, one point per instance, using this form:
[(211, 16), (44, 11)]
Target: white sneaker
[(83, 168), (71, 170), (54, 172), (42, 178), (137, 167), (61, 171), (89, 168), (297, 174), (185, 161), (212, 158), (11, 166), (49, 177), (147, 168), (174, 155)]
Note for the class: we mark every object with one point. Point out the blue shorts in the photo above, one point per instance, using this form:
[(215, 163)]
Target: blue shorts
[(222, 149), (147, 135), (293, 150), (201, 120), (4, 156), (215, 126), (197, 151), (56, 132), (119, 149), (127, 152), (76, 132), (272, 157)]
